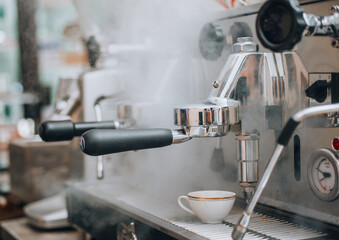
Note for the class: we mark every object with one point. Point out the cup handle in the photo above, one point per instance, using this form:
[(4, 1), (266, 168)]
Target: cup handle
[(182, 205)]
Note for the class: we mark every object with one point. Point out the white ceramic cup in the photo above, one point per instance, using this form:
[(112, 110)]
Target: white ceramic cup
[(209, 206)]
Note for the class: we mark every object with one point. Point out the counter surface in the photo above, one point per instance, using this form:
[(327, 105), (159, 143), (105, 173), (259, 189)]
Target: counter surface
[(18, 229), (97, 207)]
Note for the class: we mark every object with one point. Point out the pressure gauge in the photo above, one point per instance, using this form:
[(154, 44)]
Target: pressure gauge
[(323, 174)]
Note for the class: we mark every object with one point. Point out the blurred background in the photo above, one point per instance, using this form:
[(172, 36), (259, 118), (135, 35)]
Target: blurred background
[(126, 65), (35, 52)]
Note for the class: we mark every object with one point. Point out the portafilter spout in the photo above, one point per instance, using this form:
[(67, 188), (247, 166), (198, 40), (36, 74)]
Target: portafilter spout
[(217, 163), (98, 115), (287, 132)]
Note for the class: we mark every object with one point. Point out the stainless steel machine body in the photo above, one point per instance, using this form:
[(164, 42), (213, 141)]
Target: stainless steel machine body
[(289, 187)]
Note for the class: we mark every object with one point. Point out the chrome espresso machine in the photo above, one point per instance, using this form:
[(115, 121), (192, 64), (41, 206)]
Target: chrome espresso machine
[(273, 108)]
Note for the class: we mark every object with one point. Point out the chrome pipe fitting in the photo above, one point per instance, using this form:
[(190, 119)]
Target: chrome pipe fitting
[(247, 156)]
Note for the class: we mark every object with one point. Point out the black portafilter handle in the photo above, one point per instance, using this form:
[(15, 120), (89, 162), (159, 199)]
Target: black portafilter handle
[(101, 142), (53, 131)]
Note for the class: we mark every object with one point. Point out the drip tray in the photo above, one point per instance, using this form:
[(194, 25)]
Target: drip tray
[(98, 207), (261, 227)]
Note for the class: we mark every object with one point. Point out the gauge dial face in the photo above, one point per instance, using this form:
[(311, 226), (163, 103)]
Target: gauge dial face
[(323, 174)]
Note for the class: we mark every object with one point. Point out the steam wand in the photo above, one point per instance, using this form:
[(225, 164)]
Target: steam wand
[(98, 116), (240, 228)]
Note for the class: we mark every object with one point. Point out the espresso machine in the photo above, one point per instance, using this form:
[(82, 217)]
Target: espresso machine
[(276, 81)]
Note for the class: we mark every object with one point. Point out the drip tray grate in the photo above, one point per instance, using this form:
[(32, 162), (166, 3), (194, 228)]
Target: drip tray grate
[(261, 227)]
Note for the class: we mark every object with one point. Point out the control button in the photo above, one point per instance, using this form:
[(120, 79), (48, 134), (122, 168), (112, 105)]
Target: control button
[(335, 144), (318, 91)]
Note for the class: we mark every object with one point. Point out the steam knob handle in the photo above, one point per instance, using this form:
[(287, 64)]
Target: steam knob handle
[(51, 131), (102, 142), (211, 41), (280, 24), (318, 91)]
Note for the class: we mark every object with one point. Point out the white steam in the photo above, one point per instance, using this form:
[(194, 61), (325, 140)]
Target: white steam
[(169, 72)]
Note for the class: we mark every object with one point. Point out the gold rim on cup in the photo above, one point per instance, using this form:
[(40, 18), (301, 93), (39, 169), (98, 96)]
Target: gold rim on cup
[(212, 198)]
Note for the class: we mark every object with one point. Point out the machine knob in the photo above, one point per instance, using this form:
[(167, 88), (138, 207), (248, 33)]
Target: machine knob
[(318, 91), (212, 41), (238, 30), (280, 24)]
